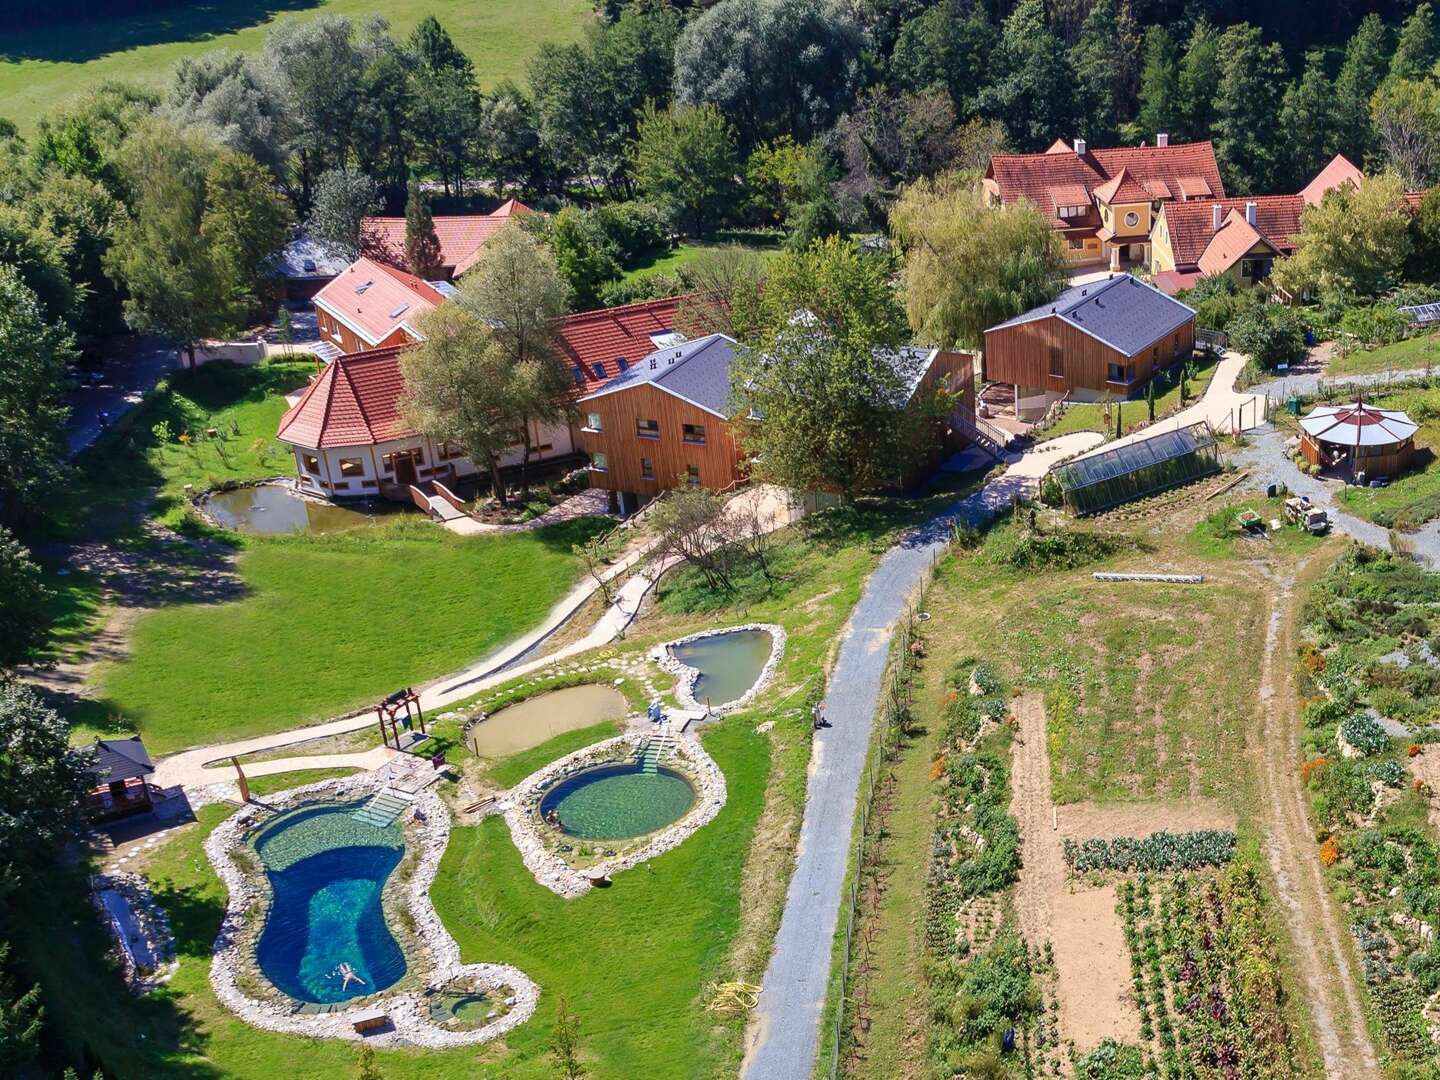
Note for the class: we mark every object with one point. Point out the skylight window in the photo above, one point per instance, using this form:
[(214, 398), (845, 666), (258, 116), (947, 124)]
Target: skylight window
[(399, 311), (622, 363), (667, 339), (600, 369), (363, 286)]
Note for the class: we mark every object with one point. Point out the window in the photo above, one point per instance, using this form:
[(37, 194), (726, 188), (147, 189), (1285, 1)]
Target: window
[(600, 369), (341, 485), (692, 475), (592, 422), (352, 466), (647, 469), (1057, 361), (1255, 269), (598, 461), (1121, 373), (312, 464), (694, 433), (647, 429), (1132, 218), (1070, 211), (623, 364), (1077, 243), (449, 451)]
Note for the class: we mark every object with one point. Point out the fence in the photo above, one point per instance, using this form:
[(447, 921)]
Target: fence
[(895, 709)]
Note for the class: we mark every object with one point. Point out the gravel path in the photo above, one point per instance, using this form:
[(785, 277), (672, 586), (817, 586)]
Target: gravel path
[(786, 1031)]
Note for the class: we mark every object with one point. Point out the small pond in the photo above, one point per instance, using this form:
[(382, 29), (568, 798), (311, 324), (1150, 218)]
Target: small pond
[(728, 663), (327, 872), (618, 802), (542, 717), (274, 509)]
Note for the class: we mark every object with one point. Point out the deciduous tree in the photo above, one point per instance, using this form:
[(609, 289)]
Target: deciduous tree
[(1354, 243), (343, 199), (969, 266), (684, 160), (826, 385), (24, 606), (1406, 116), (34, 350)]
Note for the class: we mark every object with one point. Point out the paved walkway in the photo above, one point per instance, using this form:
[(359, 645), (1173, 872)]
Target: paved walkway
[(188, 768), (787, 1022), (1221, 406), (1309, 382)]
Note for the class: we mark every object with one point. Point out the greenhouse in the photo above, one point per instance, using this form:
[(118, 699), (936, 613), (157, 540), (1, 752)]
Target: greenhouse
[(1132, 471)]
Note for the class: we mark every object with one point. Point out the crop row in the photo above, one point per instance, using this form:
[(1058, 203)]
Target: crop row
[(1160, 851)]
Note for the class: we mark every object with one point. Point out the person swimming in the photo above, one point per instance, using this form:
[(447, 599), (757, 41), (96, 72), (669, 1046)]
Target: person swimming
[(348, 975)]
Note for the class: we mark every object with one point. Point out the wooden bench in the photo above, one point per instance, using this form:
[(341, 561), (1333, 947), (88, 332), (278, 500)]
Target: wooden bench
[(370, 1020)]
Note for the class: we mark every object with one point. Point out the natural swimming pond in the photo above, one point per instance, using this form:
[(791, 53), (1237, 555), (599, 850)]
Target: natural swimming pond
[(729, 663), (325, 939), (617, 802), (274, 509), (541, 718)]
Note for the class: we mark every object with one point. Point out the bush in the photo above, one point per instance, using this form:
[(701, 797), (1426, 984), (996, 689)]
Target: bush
[(1377, 324), (1270, 335), (653, 286), (1112, 1061), (1067, 550)]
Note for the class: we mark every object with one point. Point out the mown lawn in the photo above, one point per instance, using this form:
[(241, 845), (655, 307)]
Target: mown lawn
[(329, 623), (1413, 499), (1134, 412), (42, 69), (1408, 355), (668, 262)]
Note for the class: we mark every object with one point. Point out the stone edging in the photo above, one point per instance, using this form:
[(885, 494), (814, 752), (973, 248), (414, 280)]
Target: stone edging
[(685, 675), (407, 1011), (518, 807), (151, 920)]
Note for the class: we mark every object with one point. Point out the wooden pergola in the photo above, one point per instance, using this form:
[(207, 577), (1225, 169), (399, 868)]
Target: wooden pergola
[(400, 709)]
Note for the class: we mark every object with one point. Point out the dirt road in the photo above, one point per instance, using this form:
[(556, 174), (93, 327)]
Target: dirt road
[(1319, 933)]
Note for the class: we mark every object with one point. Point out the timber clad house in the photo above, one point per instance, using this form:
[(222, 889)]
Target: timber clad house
[(1103, 202), (346, 429), (667, 419), (1103, 339)]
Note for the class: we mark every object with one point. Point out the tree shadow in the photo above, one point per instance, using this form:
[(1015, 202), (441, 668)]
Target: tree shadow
[(88, 39)]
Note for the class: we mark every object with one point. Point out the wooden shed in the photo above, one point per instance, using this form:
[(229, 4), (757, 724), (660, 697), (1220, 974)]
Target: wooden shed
[(1359, 441)]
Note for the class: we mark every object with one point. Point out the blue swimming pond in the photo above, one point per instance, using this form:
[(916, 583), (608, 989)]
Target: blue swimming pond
[(327, 872), (617, 802)]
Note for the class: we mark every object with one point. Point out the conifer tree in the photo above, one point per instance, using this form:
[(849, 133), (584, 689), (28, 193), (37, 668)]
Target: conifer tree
[(422, 245)]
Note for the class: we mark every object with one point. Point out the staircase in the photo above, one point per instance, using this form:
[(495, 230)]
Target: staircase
[(990, 438), (384, 807), (655, 749)]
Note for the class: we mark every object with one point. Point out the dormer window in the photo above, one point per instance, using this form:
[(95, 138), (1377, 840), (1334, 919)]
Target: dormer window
[(1070, 211)]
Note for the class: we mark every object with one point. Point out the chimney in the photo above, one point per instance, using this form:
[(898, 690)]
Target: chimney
[(1162, 138), (1080, 147), (1250, 212), (1217, 214)]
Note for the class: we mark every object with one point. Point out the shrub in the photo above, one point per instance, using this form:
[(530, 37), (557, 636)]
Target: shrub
[(1111, 1061), (1329, 851), (1270, 335), (1158, 851), (1376, 324), (1066, 550)]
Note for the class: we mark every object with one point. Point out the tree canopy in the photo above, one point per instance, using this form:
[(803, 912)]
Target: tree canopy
[(1354, 243)]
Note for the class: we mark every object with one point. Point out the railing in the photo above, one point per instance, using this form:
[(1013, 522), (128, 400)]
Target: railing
[(978, 429), (449, 496)]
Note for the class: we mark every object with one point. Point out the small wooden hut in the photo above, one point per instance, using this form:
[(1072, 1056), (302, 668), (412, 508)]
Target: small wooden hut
[(120, 777), (1360, 441)]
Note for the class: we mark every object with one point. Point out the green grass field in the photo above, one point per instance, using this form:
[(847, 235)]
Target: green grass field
[(1133, 413), (42, 69), (763, 243), (1411, 354)]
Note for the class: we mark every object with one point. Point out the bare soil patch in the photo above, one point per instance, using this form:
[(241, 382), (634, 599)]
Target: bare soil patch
[(1426, 768)]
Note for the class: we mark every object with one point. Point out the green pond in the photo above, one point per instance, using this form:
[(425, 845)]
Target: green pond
[(618, 802), (273, 509), (728, 663)]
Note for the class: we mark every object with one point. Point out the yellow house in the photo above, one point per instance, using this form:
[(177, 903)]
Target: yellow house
[(1240, 238)]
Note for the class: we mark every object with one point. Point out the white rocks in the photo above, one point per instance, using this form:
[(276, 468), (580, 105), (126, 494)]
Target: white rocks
[(408, 1012), (685, 675), (144, 941), (555, 873)]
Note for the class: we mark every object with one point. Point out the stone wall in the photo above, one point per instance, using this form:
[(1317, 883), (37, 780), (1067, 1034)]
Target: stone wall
[(408, 1012)]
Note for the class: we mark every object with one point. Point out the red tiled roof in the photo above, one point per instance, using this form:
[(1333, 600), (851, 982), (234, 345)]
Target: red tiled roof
[(1412, 199), (1187, 168), (373, 299), (461, 236), (1171, 282), (588, 338), (355, 401), (1339, 171), (1192, 224), (1122, 188), (1230, 244)]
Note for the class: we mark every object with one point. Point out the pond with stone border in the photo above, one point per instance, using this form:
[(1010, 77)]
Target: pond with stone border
[(325, 938), (617, 802)]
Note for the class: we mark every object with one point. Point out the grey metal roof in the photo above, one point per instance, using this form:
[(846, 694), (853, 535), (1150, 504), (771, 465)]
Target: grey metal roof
[(306, 258), (697, 371), (1122, 311), (120, 759)]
